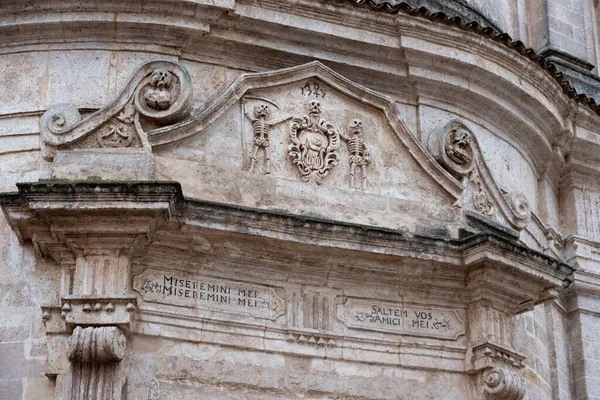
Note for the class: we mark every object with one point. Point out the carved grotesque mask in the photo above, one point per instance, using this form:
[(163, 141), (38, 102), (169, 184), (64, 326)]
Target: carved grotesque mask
[(458, 146), (158, 95), (355, 127), (315, 108), (261, 111), (161, 78)]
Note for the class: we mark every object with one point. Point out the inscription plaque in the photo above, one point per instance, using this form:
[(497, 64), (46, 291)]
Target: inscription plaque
[(201, 292), (401, 318)]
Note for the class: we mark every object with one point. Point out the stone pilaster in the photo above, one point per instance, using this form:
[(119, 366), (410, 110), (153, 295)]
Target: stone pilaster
[(91, 235)]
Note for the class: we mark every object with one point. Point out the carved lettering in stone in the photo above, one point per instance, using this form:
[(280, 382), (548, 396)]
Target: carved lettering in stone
[(221, 295), (312, 89), (314, 144), (401, 318), (358, 152)]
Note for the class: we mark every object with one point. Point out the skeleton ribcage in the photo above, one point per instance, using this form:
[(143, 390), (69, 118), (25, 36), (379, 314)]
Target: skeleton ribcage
[(260, 130), (356, 146)]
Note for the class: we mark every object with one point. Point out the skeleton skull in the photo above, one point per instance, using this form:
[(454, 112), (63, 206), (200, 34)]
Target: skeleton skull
[(315, 107), (158, 95), (458, 146), (161, 78), (261, 111), (355, 127)]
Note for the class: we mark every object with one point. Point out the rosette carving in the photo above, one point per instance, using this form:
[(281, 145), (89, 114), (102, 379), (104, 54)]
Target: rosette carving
[(159, 93)]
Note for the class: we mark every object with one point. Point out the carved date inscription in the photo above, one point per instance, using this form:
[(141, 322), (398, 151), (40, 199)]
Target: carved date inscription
[(312, 89), (402, 318), (206, 293)]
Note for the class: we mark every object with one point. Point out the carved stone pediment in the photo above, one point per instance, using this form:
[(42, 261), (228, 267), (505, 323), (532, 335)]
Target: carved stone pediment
[(308, 124), (271, 136), (159, 92), (456, 148)]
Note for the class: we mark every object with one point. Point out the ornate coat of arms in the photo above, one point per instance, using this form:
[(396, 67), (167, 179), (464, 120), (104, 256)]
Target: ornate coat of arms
[(314, 144)]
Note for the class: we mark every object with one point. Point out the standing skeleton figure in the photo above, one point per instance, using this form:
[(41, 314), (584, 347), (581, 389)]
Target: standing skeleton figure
[(359, 154), (260, 131)]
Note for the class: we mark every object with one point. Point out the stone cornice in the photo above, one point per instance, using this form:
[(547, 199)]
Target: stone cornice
[(471, 249), (493, 34)]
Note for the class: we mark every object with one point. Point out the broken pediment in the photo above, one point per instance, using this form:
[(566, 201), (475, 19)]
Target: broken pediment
[(303, 140), (456, 148)]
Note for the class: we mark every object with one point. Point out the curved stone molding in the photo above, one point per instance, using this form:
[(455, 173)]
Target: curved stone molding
[(499, 383), (455, 147), (160, 92), (246, 82), (97, 344)]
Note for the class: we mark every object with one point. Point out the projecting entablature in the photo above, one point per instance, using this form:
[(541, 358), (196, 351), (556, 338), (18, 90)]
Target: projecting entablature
[(304, 140)]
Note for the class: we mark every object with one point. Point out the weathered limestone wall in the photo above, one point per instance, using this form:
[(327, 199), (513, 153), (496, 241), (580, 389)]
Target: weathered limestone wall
[(407, 79), (27, 284)]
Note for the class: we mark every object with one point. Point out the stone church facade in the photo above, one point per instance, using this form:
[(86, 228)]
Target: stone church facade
[(300, 199)]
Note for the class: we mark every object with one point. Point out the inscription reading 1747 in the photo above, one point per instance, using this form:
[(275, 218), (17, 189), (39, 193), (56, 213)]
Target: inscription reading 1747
[(209, 293), (408, 319)]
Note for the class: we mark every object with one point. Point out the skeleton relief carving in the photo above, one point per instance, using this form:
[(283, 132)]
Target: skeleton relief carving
[(261, 129), (358, 152), (314, 145)]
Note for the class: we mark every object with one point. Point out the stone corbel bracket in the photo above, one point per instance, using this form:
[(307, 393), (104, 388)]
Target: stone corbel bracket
[(502, 384), (159, 93), (455, 148)]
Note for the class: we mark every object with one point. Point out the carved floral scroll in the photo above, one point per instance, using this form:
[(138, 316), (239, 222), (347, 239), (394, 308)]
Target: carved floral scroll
[(159, 93), (455, 147)]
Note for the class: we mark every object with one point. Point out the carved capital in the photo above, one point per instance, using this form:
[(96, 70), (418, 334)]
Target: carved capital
[(502, 384), (97, 344)]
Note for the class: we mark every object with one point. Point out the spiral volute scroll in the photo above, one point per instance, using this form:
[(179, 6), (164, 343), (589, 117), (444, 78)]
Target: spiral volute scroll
[(520, 206), (60, 119), (159, 92), (502, 384), (97, 344), (164, 95)]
